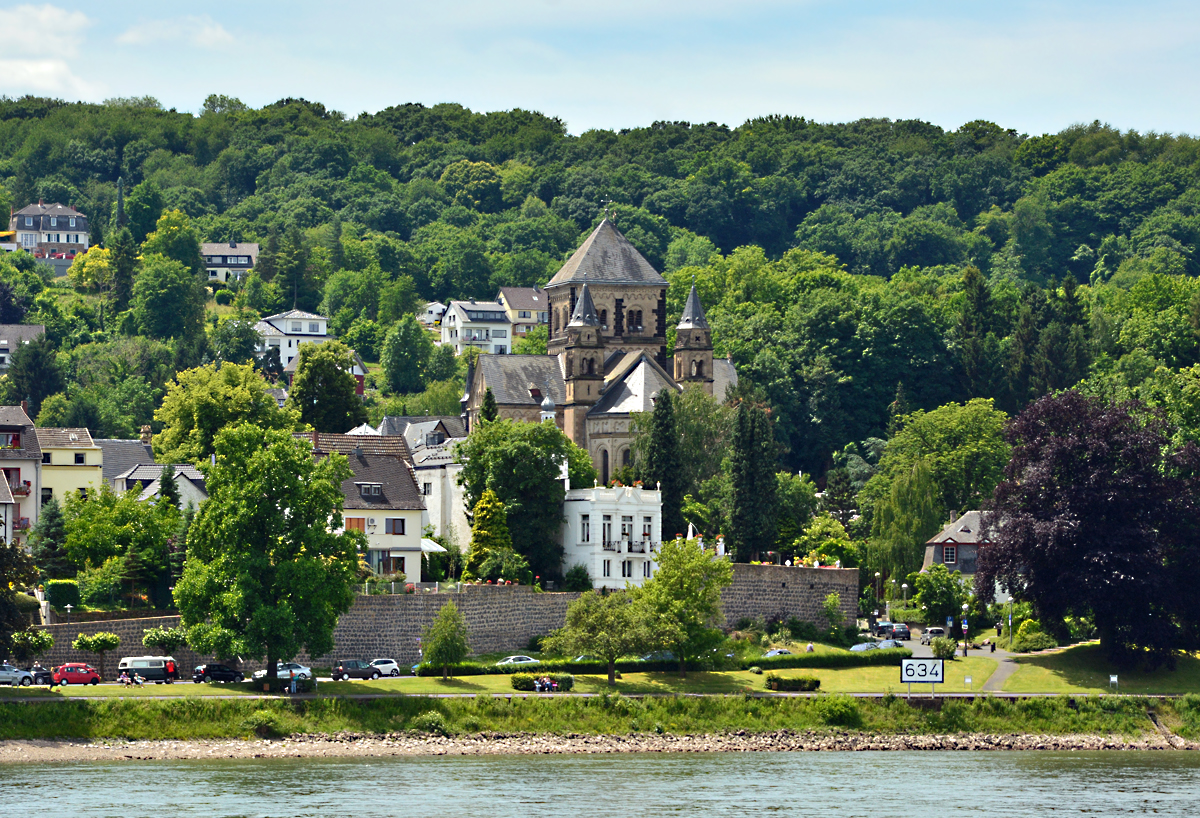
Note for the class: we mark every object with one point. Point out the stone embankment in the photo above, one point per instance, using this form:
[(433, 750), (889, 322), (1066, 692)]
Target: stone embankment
[(409, 744)]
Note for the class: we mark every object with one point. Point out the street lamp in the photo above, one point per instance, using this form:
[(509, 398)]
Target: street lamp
[(877, 587), (68, 606), (905, 589), (964, 607)]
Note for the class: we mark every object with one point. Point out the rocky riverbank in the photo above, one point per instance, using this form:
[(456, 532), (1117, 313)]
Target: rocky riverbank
[(409, 744)]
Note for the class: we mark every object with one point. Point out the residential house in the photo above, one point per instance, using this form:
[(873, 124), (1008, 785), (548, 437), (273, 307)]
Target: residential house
[(14, 336), (71, 462), (526, 308), (957, 545), (357, 368), (432, 314), (45, 229), (286, 331), (228, 261), (21, 461), (193, 487), (436, 474), (423, 430), (119, 456), (380, 499), (613, 532), (480, 324), (279, 394)]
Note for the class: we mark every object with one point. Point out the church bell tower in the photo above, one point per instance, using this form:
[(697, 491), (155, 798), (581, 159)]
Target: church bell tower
[(693, 345), (584, 367)]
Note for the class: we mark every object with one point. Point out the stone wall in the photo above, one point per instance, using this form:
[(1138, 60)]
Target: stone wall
[(499, 618)]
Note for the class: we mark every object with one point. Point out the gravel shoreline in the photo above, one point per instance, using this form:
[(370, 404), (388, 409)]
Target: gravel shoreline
[(348, 745)]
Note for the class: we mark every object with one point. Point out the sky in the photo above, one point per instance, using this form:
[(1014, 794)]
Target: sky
[(1037, 67)]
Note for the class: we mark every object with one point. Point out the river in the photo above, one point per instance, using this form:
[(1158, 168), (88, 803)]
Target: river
[(867, 784)]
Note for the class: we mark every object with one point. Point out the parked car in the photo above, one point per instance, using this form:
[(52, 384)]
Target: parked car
[(12, 675), (900, 631), (517, 660), (354, 669), (889, 643), (883, 628), (213, 672), (284, 670), (778, 652), (658, 656), (76, 673), (157, 669), (930, 634), (860, 647), (387, 667), (41, 675)]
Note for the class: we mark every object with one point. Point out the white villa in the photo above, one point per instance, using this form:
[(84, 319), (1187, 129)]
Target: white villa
[(613, 532), (286, 331), (481, 324)]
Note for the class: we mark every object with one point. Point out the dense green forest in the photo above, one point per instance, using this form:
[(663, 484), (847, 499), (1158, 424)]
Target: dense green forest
[(854, 272)]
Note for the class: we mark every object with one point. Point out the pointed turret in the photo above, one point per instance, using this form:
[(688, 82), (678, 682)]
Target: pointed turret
[(585, 311), (693, 312)]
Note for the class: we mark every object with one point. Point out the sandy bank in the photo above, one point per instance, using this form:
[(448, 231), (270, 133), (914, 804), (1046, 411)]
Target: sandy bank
[(403, 744)]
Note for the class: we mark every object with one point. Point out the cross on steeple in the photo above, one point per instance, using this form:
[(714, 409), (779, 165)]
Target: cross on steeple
[(609, 212)]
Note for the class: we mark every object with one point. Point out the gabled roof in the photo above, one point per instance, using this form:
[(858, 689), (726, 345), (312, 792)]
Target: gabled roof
[(435, 457), (53, 438), (398, 424), (399, 488), (524, 298), (14, 417), (122, 455), (6, 497), (631, 384), (54, 209), (365, 430), (228, 248), (509, 376), (155, 487), (294, 314), (693, 312), (461, 308), (13, 334), (383, 446), (585, 311), (725, 377), (607, 257), (150, 473), (964, 530)]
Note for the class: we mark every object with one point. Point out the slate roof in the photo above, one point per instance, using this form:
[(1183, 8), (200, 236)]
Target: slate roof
[(6, 497), (383, 446), (397, 424), (966, 529), (54, 438), (509, 377), (460, 308), (149, 473), (122, 455), (399, 488), (265, 329), (693, 312), (524, 298), (434, 457), (153, 488), (629, 386), (54, 209), (585, 311), (607, 257), (13, 334), (725, 377), (14, 418), (226, 248), (294, 314)]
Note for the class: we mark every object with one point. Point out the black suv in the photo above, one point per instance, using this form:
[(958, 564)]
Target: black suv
[(901, 632), (216, 673), (41, 676), (355, 669)]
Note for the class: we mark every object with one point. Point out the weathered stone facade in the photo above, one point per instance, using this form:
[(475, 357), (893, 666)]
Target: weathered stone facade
[(498, 618)]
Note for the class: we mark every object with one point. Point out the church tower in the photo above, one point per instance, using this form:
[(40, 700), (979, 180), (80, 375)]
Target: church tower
[(583, 365), (693, 345)]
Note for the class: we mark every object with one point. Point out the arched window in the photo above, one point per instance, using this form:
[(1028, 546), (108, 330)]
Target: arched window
[(604, 319), (604, 467), (570, 366), (625, 458), (639, 321), (697, 369), (631, 324)]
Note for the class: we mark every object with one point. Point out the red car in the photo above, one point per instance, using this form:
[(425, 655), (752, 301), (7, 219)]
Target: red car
[(76, 673)]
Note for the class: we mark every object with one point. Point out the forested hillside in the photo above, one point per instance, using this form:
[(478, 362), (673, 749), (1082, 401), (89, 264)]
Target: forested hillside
[(854, 272)]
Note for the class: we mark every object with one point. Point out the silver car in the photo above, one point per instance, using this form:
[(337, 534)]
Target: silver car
[(15, 676), (285, 670)]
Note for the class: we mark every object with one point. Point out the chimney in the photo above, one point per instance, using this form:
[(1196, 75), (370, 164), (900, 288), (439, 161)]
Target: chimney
[(316, 440), (145, 435), (25, 406), (233, 244)]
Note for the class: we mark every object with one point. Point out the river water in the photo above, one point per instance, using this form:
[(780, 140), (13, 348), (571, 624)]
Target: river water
[(868, 784)]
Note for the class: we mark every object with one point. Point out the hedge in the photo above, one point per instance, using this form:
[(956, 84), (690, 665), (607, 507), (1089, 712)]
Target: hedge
[(552, 666), (805, 684), (528, 681), (62, 592), (866, 658)]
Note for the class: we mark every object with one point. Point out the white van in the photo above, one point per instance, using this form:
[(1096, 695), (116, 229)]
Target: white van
[(157, 669)]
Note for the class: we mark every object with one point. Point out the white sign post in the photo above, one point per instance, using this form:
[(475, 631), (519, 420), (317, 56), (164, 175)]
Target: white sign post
[(932, 671)]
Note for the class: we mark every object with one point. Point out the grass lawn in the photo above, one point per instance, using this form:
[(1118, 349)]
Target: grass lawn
[(1083, 669)]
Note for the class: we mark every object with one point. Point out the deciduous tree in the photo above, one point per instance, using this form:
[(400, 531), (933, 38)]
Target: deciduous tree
[(323, 390), (607, 626), (16, 570), (446, 639)]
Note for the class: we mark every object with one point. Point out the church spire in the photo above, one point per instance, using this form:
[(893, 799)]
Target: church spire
[(693, 312), (585, 311)]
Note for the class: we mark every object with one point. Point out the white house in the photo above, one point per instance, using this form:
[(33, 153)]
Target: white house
[(433, 313), (613, 532), (191, 482), (288, 330), (481, 324), (436, 474), (50, 228), (228, 260)]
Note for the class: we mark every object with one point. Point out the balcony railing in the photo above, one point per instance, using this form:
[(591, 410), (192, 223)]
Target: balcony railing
[(630, 547), (637, 548), (21, 524), (611, 545), (19, 489)]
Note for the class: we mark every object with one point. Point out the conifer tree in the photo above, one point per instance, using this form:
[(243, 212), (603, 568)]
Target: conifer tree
[(48, 543), (839, 499), (489, 411), (661, 463), (124, 262), (489, 531), (753, 514), (168, 486), (267, 265)]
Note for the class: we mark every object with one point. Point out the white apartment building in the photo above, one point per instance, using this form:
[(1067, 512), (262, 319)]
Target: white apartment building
[(288, 330), (481, 324), (613, 532)]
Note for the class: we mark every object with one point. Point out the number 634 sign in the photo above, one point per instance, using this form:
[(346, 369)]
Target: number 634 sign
[(928, 671)]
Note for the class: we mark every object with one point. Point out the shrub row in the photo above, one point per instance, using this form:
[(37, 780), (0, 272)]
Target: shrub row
[(1024, 643), (551, 666), (866, 658), (62, 592), (799, 683), (528, 681)]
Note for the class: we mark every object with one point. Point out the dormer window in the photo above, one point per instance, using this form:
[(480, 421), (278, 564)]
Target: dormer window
[(29, 221), (72, 221), (10, 440), (370, 489), (53, 221)]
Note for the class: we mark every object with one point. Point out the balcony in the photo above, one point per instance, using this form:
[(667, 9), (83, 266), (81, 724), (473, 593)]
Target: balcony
[(611, 545), (21, 524), (19, 489), (637, 548)]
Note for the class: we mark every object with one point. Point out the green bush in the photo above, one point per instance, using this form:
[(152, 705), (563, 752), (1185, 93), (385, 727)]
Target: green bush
[(803, 631), (528, 681), (799, 683), (223, 297), (839, 711), (431, 721), (1024, 643), (1028, 628), (866, 658), (913, 616), (577, 579), (547, 666), (943, 647), (263, 723), (62, 592), (26, 604)]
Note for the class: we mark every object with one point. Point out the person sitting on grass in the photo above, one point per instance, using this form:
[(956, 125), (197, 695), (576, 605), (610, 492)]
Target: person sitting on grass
[(138, 680), (124, 679)]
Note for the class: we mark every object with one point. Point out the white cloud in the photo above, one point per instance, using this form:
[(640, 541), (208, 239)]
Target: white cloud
[(45, 77), (203, 32), (41, 31)]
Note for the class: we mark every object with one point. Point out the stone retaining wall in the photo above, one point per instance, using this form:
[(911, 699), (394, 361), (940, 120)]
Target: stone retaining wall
[(499, 618)]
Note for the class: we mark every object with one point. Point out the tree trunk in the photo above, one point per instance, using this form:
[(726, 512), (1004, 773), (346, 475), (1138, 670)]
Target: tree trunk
[(682, 667), (101, 653), (272, 670), (445, 672), (612, 673)]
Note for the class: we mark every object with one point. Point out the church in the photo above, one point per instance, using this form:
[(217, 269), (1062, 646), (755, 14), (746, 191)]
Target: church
[(607, 352)]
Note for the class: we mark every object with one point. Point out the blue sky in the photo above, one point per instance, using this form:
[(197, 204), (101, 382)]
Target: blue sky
[(1036, 67)]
